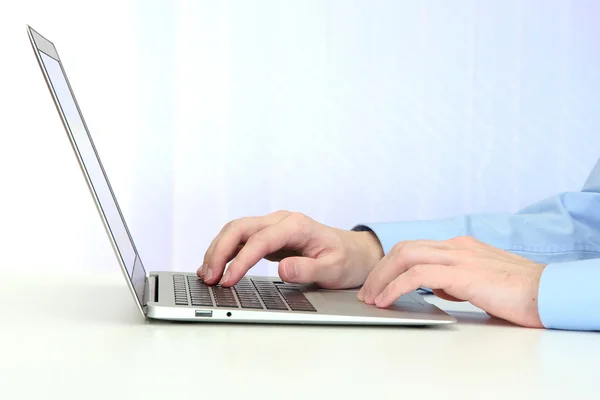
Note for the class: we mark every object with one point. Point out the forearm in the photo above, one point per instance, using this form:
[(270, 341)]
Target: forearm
[(559, 229)]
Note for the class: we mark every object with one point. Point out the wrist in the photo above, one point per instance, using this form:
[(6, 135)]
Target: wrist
[(370, 247)]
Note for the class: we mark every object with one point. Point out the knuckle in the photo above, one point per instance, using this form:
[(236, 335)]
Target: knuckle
[(229, 226), (298, 221), (259, 239), (395, 248), (297, 216), (417, 272), (403, 252), (463, 240), (281, 213), (260, 243), (234, 227)]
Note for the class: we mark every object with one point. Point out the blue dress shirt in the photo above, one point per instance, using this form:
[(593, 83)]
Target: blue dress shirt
[(562, 232)]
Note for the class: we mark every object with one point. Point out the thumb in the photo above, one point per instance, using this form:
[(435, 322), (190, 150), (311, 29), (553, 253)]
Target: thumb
[(306, 270)]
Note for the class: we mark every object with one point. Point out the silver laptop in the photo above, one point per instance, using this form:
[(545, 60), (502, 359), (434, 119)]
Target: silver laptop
[(183, 296)]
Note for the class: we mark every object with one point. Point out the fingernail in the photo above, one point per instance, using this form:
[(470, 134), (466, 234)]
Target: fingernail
[(202, 270), (225, 277), (208, 274), (290, 270), (360, 294)]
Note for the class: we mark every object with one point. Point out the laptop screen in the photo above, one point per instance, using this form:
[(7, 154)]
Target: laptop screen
[(84, 147)]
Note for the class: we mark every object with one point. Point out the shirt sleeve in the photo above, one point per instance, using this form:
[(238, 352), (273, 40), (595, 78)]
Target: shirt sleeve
[(569, 297), (561, 231), (562, 228)]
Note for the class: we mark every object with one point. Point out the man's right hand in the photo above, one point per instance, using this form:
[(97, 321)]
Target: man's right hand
[(307, 251)]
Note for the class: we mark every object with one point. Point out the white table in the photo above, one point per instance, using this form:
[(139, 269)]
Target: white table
[(80, 336)]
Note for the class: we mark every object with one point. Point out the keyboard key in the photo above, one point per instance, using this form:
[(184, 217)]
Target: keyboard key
[(224, 297), (297, 300), (248, 296), (247, 293), (255, 306), (246, 301), (202, 299), (227, 305), (199, 292), (277, 306), (205, 303)]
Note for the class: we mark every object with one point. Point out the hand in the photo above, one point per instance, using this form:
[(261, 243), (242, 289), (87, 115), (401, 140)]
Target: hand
[(503, 284), (307, 251)]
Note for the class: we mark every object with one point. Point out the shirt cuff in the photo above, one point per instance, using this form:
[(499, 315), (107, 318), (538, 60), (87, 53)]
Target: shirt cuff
[(568, 296)]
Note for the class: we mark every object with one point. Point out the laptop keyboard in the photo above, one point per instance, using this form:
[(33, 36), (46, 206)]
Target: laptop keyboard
[(247, 293)]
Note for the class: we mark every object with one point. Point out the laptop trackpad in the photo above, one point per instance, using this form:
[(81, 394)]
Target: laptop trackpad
[(345, 301)]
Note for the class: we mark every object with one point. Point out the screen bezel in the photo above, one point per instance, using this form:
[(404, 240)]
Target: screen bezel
[(43, 45)]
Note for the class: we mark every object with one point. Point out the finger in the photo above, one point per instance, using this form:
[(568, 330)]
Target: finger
[(264, 220), (430, 275), (275, 257), (227, 243), (287, 233), (253, 223), (322, 271), (443, 295), (377, 270), (209, 252), (396, 263), (202, 270)]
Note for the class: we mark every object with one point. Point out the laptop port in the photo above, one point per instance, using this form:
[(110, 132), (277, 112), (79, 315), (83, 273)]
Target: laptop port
[(203, 313)]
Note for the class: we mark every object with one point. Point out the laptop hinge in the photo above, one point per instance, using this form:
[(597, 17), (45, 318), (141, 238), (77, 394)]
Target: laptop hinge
[(151, 289)]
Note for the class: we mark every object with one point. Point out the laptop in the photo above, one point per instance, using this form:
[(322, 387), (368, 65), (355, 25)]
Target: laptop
[(182, 296)]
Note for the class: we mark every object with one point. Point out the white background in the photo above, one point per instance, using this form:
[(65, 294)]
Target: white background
[(349, 111)]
